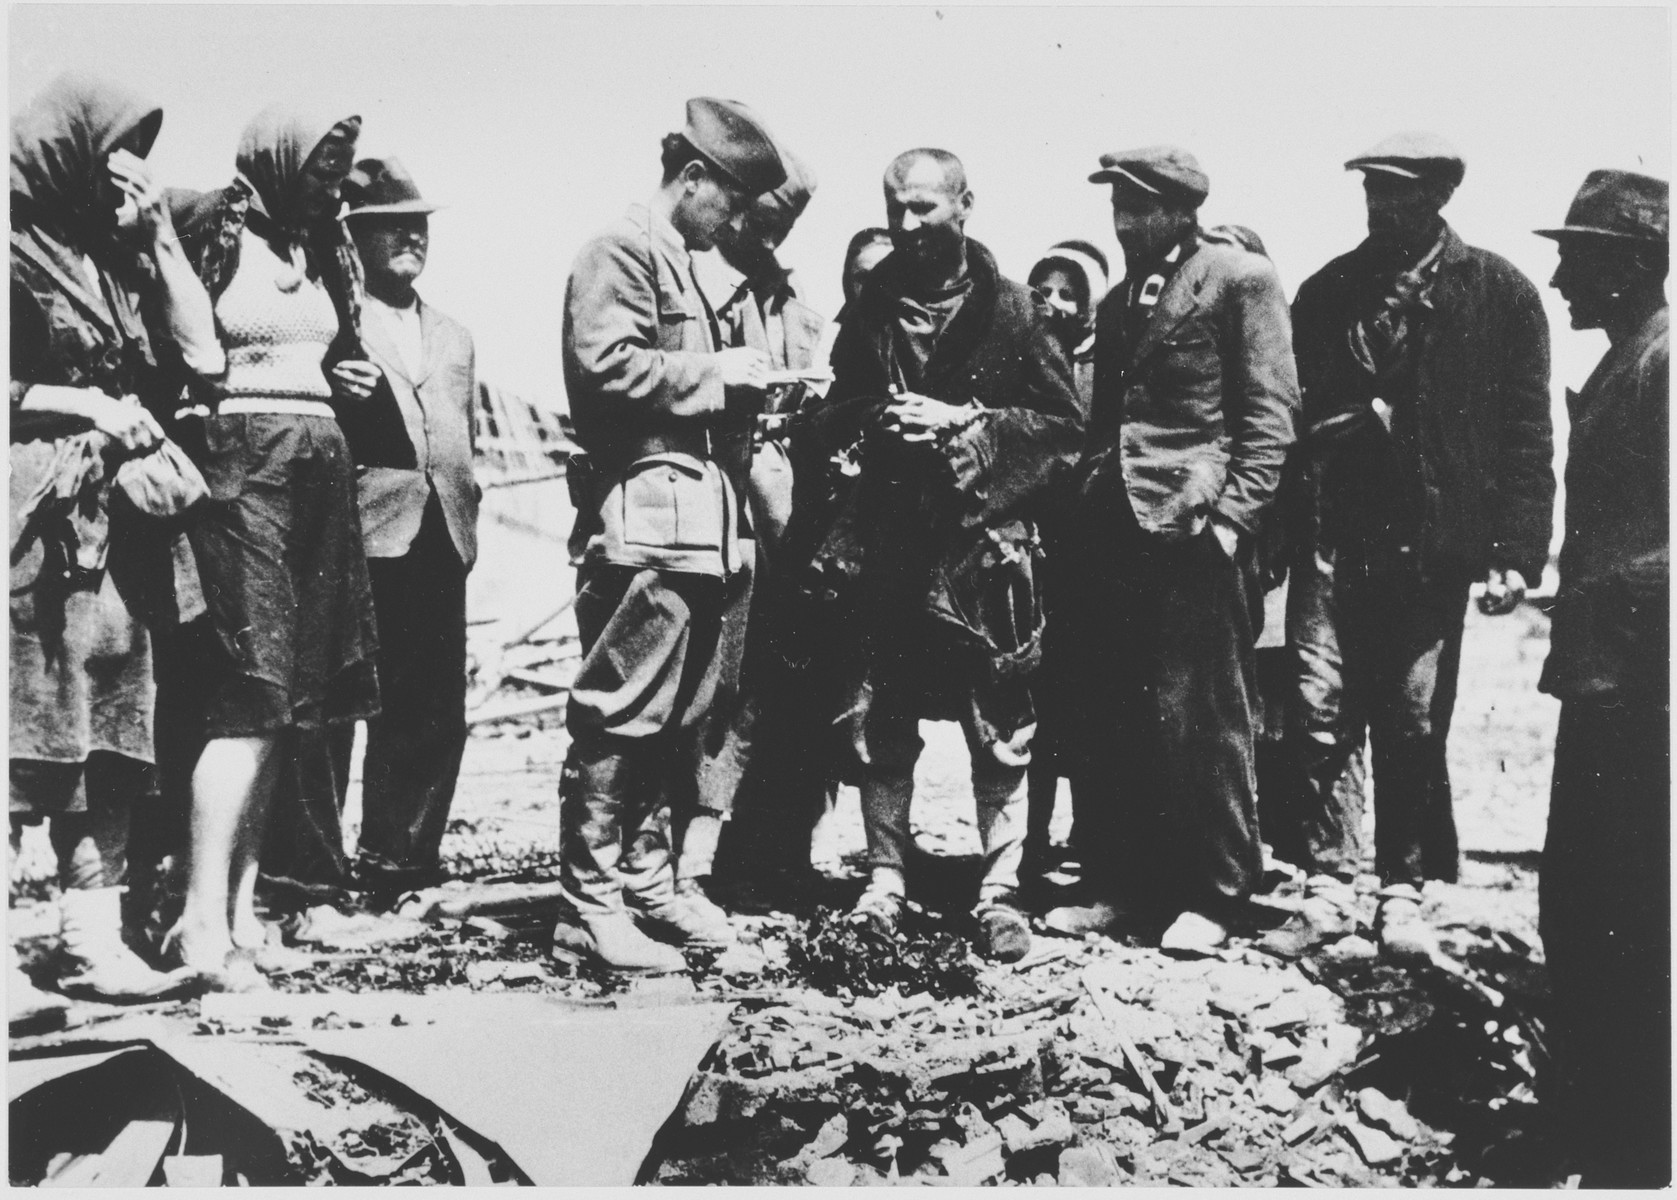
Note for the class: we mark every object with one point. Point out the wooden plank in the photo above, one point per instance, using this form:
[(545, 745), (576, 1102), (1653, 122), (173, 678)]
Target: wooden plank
[(1112, 1012)]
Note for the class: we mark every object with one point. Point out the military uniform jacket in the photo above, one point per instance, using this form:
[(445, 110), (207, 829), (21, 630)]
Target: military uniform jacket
[(1196, 416), (436, 409), (1610, 632), (646, 396)]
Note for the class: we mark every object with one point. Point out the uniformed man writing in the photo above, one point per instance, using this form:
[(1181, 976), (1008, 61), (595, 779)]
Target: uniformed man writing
[(659, 539)]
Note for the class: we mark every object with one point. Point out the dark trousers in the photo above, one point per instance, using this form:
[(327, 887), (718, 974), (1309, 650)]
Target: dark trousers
[(1319, 764), (1399, 640), (1169, 694), (1605, 897), (414, 746), (654, 660)]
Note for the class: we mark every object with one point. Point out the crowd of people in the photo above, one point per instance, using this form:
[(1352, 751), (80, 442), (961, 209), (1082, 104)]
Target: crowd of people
[(243, 516)]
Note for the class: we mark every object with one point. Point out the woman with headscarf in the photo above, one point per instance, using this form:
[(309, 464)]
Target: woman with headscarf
[(286, 649), (104, 311)]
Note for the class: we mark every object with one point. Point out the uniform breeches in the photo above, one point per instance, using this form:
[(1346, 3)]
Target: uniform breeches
[(654, 660), (1170, 692), (1605, 897)]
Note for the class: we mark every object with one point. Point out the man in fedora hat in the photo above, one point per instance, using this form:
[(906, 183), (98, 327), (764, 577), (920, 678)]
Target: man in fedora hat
[(1606, 881), (418, 504), (1424, 364), (663, 564), (1193, 412)]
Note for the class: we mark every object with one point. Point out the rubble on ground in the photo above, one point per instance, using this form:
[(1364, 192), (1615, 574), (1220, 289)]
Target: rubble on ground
[(1091, 1062)]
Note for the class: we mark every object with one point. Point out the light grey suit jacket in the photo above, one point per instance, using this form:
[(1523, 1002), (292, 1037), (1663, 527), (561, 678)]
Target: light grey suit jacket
[(437, 408)]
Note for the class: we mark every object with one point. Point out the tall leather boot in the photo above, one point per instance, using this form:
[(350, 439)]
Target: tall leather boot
[(597, 799), (102, 966)]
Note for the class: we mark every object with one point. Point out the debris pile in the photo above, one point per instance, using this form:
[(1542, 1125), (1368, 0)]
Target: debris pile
[(1089, 1063)]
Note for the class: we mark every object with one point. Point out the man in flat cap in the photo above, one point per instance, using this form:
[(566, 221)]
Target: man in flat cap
[(1194, 405), (1606, 880), (419, 523), (758, 750), (663, 558), (1427, 461), (960, 404)]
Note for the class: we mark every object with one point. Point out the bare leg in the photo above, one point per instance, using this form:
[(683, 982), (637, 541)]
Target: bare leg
[(226, 784), (247, 929)]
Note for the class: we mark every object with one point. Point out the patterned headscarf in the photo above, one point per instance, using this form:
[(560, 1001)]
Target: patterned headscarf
[(273, 151)]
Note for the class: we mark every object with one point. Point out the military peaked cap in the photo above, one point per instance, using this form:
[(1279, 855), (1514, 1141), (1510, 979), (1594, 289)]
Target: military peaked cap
[(1168, 171), (735, 139), (1618, 204)]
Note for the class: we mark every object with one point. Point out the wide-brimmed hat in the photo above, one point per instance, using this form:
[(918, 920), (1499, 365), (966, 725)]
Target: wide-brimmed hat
[(1412, 156), (1622, 205), (1168, 171), (383, 185)]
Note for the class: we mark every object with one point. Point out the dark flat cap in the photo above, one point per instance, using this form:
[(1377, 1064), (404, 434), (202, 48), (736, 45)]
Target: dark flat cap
[(383, 185), (1618, 204), (736, 140), (1168, 171), (1413, 156)]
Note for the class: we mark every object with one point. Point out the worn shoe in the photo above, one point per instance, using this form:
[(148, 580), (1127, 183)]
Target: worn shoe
[(1194, 934), (690, 918), (1074, 920), (1402, 932), (1004, 935), (1328, 912), (614, 941), (100, 966), (879, 912)]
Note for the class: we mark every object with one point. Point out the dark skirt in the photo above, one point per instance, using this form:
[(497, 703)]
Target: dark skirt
[(80, 662), (285, 578)]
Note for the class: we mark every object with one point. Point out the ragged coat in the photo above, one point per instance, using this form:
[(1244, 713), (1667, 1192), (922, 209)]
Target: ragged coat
[(1481, 432), (1611, 632), (935, 546)]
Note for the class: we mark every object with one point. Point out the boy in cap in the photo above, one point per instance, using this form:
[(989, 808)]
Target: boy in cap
[(1606, 880), (1425, 369), (663, 565), (1194, 404)]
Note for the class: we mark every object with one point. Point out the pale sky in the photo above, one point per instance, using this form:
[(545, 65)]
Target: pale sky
[(537, 125)]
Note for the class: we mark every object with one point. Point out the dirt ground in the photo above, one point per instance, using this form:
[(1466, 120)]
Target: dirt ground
[(1094, 1061), (1501, 753)]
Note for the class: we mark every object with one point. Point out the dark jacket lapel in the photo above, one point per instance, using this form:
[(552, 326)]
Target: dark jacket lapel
[(1177, 303)]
